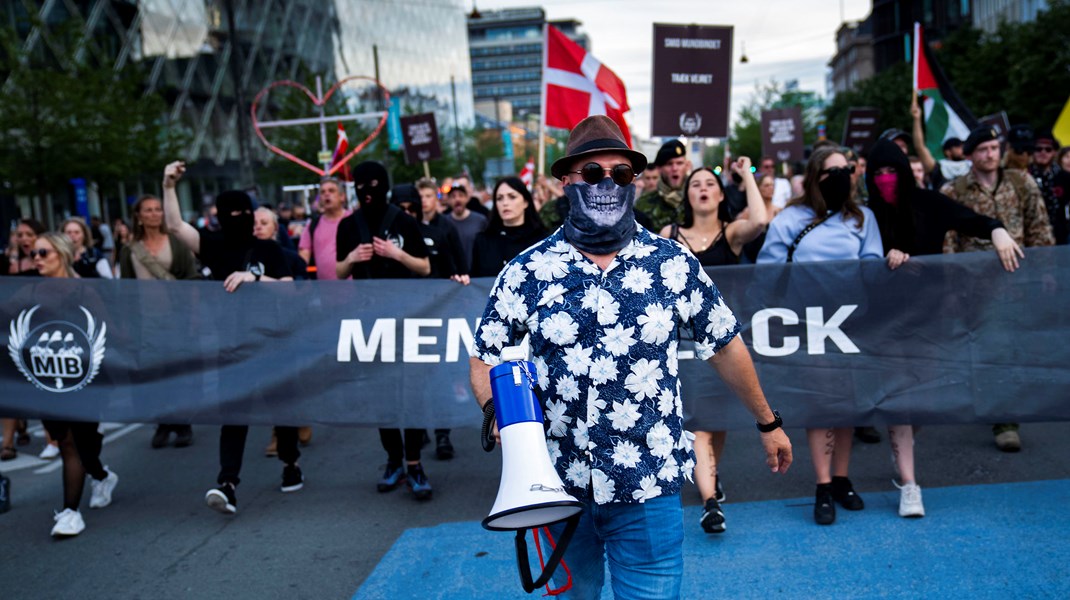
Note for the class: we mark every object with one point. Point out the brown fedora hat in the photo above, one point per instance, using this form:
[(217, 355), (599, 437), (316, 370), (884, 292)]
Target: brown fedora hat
[(593, 135)]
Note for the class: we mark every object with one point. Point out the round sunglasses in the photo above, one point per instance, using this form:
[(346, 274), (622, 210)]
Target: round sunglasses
[(593, 173)]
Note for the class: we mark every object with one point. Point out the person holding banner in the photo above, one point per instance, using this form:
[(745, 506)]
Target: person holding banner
[(79, 442), (235, 257), (715, 242), (603, 301), (826, 223)]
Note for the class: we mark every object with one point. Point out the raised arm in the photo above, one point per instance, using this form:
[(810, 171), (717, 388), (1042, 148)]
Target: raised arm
[(172, 213), (926, 157), (744, 230)]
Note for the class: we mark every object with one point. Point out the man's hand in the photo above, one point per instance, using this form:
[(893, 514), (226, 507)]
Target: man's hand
[(1008, 250), (461, 279), (172, 173), (386, 249), (237, 278), (777, 450), (896, 258), (362, 253)]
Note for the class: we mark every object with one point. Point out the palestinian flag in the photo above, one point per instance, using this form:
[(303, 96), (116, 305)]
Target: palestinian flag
[(945, 114)]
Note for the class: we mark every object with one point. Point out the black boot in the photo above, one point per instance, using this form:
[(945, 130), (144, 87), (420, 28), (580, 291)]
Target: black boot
[(183, 435)]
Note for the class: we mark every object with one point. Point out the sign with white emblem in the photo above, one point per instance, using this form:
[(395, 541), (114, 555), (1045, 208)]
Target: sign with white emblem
[(57, 356)]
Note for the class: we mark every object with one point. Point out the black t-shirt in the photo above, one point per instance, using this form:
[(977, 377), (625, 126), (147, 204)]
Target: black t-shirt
[(223, 259), (443, 248), (403, 231)]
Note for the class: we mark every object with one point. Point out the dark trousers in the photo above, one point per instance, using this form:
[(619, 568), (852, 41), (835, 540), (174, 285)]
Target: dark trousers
[(396, 448), (232, 449), (87, 441)]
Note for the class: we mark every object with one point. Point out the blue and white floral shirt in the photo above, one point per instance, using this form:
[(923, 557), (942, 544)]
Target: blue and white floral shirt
[(605, 347)]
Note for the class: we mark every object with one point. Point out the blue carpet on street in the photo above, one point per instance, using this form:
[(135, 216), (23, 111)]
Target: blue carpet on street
[(989, 541)]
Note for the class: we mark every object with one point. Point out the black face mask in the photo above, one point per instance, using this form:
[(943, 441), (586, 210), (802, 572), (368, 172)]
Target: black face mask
[(600, 218), (237, 228), (836, 190), (371, 182)]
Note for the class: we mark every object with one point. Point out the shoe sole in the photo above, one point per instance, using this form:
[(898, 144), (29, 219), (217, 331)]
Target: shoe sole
[(861, 505), (916, 515), (61, 534), (292, 488), (217, 500), (383, 487), (712, 527)]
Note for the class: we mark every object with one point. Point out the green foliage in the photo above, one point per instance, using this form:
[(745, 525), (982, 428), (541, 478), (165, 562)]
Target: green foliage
[(746, 138), (79, 119), (1022, 69)]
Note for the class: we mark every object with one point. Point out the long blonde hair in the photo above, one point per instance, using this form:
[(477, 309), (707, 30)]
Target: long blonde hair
[(63, 248)]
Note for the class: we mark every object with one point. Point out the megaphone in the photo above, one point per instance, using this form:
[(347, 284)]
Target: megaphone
[(531, 494)]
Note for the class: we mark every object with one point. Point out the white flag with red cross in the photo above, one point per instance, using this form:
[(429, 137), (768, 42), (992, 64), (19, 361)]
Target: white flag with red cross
[(577, 85)]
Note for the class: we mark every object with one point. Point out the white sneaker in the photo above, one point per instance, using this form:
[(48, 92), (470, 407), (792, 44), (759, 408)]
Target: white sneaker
[(49, 452), (102, 490), (910, 500), (68, 523)]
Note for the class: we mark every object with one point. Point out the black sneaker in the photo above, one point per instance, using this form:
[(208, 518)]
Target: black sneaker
[(5, 494), (159, 439), (712, 520), (421, 487), (824, 509), (393, 476), (844, 493), (223, 498), (868, 435), (292, 479), (443, 447), (718, 491), (183, 436)]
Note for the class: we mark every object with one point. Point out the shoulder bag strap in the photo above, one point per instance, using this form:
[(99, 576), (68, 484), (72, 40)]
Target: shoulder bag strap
[(802, 234)]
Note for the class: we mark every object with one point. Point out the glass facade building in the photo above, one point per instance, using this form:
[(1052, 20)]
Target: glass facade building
[(209, 58)]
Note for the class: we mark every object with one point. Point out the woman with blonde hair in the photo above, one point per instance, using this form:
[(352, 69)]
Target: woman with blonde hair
[(89, 261)]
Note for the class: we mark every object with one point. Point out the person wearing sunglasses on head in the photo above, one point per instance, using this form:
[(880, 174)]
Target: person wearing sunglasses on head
[(1046, 171), (602, 302), (826, 223)]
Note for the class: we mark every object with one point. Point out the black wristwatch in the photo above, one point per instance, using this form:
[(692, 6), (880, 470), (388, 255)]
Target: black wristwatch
[(777, 423), (257, 271)]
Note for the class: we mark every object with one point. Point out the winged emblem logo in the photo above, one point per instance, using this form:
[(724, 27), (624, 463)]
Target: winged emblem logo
[(57, 356)]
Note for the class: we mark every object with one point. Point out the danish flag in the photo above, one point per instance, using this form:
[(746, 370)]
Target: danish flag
[(578, 86), (527, 174), (340, 150)]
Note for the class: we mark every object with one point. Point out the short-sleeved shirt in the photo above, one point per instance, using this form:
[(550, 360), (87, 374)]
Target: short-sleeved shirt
[(605, 346), (403, 232), (324, 246), (467, 230), (223, 259)]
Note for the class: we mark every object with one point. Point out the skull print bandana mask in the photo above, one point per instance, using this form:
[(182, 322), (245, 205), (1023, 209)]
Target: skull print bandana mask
[(600, 218)]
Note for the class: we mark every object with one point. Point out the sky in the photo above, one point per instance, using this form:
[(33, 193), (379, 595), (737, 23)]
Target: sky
[(784, 39)]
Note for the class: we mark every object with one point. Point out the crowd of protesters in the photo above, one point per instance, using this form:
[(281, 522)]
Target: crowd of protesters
[(897, 201)]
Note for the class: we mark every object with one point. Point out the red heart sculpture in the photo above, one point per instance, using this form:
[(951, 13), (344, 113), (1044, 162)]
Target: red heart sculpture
[(318, 102)]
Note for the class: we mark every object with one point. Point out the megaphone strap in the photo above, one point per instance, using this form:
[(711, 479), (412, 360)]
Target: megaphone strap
[(485, 436), (568, 572), (551, 564)]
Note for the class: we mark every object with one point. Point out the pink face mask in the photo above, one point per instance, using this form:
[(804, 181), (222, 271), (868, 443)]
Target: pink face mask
[(887, 184)]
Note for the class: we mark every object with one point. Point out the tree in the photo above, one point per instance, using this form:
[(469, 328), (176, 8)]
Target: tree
[(888, 92), (78, 119), (746, 138)]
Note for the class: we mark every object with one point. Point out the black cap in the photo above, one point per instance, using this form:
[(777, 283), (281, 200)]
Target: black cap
[(1020, 137), (951, 142), (1045, 135), (893, 134), (670, 150), (979, 135)]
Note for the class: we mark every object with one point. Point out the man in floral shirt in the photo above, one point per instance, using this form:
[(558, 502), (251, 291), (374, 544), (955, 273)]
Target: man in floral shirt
[(602, 300)]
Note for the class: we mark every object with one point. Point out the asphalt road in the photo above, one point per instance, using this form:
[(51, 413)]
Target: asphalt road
[(159, 540)]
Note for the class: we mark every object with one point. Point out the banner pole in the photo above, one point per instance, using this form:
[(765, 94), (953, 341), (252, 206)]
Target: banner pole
[(542, 103), (427, 170)]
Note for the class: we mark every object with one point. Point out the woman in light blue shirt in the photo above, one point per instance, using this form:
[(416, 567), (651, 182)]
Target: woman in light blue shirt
[(825, 223)]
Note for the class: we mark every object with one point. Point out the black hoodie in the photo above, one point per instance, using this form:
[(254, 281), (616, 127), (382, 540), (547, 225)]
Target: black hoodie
[(921, 218), (234, 248)]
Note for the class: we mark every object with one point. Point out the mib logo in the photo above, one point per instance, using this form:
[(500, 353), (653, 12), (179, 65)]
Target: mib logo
[(57, 356), (690, 124)]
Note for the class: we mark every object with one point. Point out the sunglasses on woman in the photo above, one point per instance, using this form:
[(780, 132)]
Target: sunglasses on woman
[(42, 252), (593, 173)]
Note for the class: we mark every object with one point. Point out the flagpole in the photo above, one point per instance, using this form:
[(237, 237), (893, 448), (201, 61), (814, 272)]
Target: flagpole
[(542, 103), (917, 48)]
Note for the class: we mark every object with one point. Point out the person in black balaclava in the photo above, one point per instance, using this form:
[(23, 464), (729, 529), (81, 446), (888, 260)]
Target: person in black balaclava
[(914, 221), (380, 241), (235, 257)]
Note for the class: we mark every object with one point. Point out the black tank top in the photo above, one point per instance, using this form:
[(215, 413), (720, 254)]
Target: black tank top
[(719, 253)]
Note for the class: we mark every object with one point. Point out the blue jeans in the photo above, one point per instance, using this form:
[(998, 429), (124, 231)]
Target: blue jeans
[(644, 545)]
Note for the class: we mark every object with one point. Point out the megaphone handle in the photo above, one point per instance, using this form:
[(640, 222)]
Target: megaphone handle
[(551, 564), (485, 436)]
